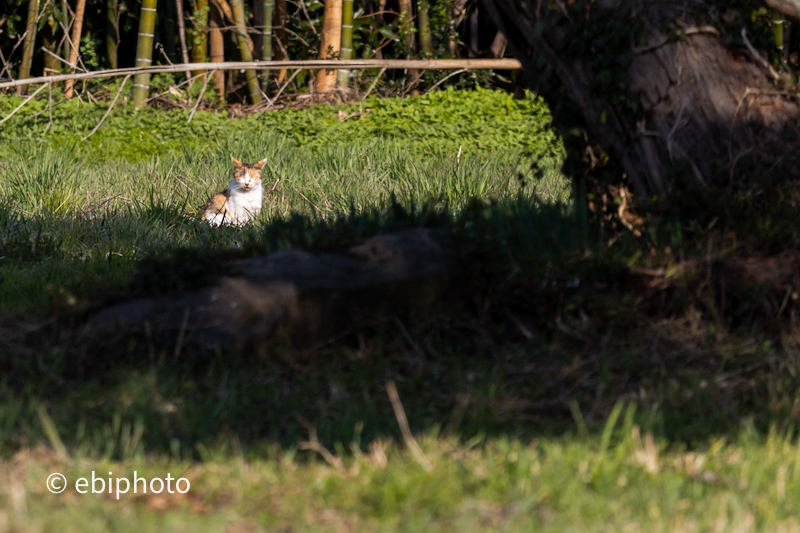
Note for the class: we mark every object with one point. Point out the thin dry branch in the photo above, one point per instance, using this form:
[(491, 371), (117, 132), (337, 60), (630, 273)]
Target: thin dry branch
[(28, 99), (456, 73), (46, 51), (108, 111), (200, 98), (760, 60), (421, 64), (402, 421), (313, 444), (374, 83), (270, 103)]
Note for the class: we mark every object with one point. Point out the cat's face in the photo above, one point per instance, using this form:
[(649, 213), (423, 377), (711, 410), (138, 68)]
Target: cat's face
[(247, 176)]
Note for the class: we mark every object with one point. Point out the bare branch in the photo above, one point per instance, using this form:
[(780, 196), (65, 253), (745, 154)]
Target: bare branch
[(108, 111), (28, 99), (402, 421), (374, 83), (422, 64)]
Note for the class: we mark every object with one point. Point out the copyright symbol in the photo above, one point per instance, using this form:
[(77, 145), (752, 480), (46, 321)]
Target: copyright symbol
[(56, 483)]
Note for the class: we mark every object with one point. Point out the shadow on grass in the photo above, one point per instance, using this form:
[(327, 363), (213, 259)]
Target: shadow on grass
[(543, 337)]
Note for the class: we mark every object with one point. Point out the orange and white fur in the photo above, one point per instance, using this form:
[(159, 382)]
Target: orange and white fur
[(241, 201)]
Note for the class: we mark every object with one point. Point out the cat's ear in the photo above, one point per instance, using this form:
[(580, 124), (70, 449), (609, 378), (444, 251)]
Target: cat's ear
[(260, 164), (236, 162)]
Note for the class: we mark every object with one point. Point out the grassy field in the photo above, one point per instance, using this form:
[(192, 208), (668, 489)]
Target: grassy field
[(77, 214), (623, 481), (588, 379)]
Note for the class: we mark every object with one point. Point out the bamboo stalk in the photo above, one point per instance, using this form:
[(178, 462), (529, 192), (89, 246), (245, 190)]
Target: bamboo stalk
[(77, 29), (424, 22), (30, 40), (331, 43), (422, 64), (216, 46), (266, 41), (244, 49), (405, 9), (65, 15), (144, 52), (347, 42), (224, 8), (199, 37), (111, 32)]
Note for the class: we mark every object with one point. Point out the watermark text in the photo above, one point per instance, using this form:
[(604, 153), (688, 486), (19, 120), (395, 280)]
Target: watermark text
[(57, 483)]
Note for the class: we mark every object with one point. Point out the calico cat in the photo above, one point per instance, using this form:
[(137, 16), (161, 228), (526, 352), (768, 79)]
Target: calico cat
[(241, 201)]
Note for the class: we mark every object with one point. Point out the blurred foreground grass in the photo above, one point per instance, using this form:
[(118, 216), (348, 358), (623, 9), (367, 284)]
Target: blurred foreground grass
[(621, 480)]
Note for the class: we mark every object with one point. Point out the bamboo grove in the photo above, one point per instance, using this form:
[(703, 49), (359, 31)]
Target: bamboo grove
[(47, 37)]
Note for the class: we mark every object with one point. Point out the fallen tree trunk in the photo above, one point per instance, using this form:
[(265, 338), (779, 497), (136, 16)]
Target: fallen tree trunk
[(662, 103)]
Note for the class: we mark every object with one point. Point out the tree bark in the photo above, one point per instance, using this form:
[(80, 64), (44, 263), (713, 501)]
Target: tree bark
[(661, 104), (77, 30), (331, 43)]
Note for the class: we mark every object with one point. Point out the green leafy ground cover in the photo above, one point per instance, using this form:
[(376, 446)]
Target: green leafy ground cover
[(482, 121), (511, 387)]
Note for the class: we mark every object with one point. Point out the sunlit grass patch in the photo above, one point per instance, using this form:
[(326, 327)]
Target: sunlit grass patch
[(74, 224), (623, 479)]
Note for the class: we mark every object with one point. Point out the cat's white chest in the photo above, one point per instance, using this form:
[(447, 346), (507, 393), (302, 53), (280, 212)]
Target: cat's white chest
[(244, 205)]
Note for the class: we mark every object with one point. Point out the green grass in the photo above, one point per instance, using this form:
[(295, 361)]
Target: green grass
[(623, 481), (72, 222), (77, 214), (512, 385)]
